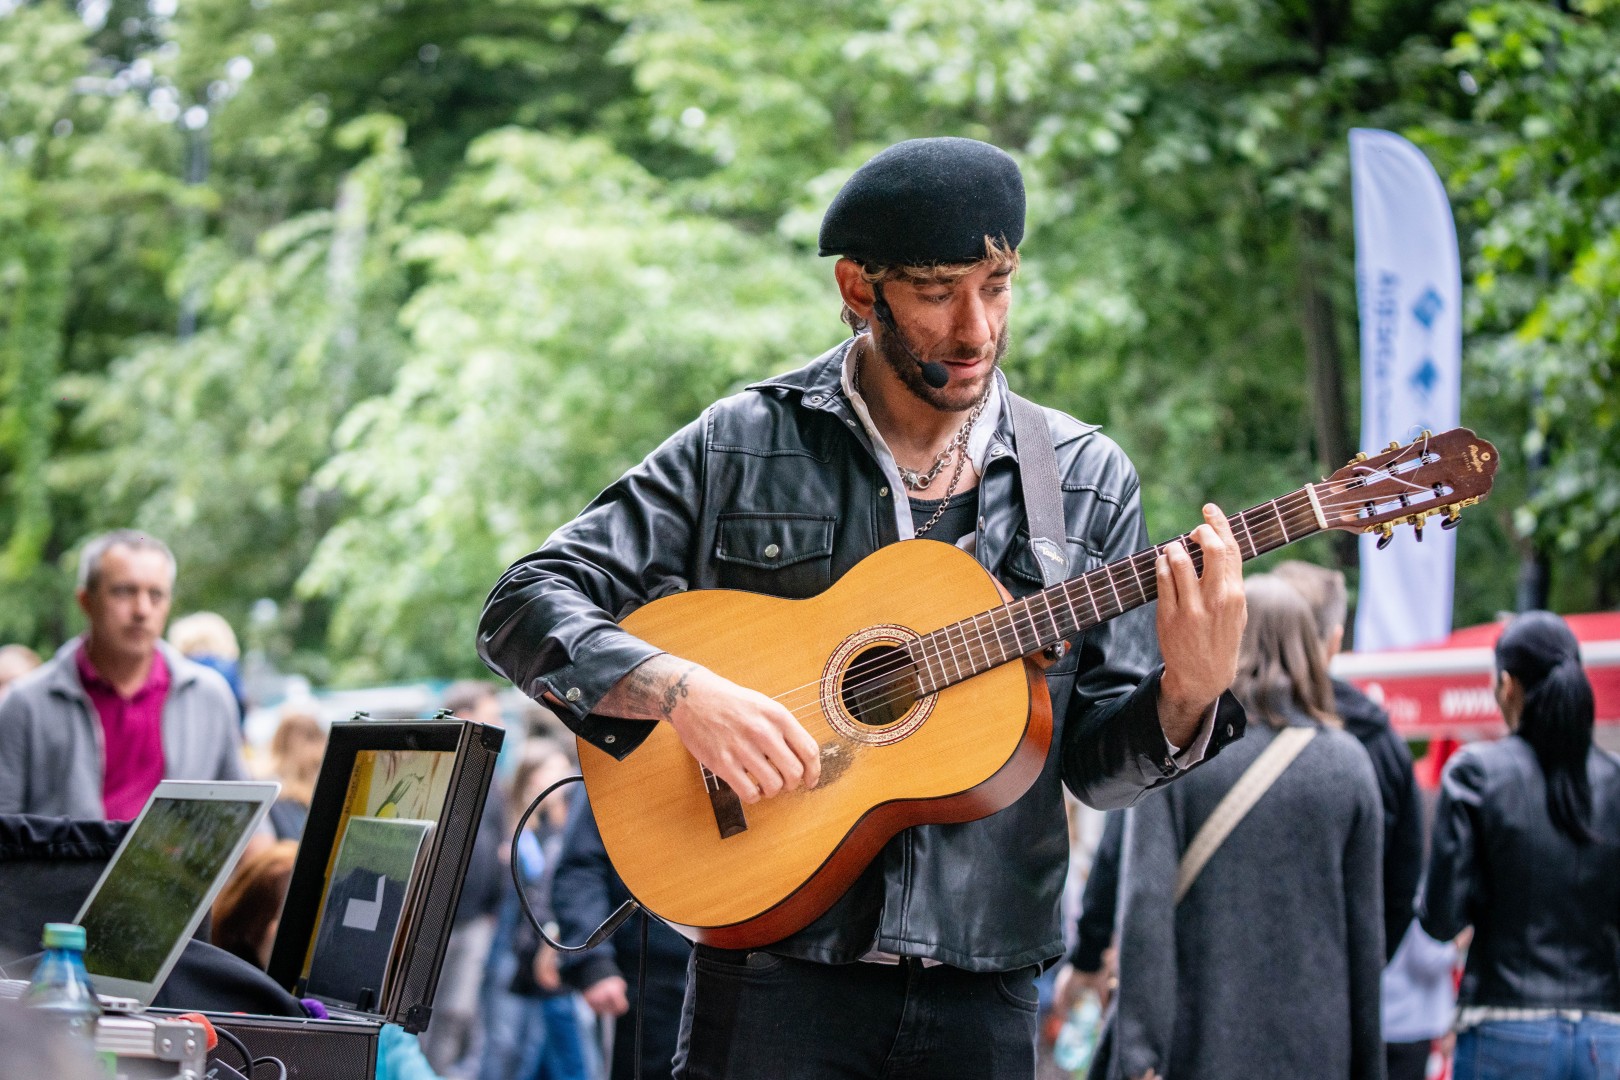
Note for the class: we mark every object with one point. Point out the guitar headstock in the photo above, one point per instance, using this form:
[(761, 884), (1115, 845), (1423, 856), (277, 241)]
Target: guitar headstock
[(1433, 474)]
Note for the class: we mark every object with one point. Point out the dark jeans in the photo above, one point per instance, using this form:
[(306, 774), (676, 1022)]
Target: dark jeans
[(1539, 1050), (1408, 1061), (751, 1015)]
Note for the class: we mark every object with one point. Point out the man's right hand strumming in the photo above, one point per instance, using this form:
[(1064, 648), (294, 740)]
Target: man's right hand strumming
[(746, 739)]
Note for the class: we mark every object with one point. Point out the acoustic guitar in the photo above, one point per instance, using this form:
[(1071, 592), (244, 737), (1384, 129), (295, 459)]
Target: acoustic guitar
[(912, 673)]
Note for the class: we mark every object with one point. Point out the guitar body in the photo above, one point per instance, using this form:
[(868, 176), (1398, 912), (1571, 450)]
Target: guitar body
[(956, 755)]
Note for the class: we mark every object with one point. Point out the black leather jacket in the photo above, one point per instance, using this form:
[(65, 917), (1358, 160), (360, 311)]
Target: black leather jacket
[(1545, 911), (787, 465)]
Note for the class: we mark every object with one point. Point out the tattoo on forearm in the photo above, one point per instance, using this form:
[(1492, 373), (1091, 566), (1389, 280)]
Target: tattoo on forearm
[(650, 691), (675, 691)]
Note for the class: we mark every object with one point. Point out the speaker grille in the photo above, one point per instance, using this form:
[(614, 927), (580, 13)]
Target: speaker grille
[(311, 1049)]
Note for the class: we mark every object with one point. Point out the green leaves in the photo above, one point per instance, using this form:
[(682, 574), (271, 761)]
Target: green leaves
[(452, 266)]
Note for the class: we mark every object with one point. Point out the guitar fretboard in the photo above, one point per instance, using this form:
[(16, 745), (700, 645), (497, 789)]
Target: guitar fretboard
[(1042, 619)]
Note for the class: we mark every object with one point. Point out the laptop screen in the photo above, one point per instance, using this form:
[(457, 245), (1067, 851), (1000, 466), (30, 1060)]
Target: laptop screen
[(168, 869)]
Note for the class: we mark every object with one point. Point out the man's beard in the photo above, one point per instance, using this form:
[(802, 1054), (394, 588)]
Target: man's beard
[(950, 397)]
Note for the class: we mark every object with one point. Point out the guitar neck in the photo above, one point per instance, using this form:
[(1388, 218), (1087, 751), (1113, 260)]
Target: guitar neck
[(1024, 627)]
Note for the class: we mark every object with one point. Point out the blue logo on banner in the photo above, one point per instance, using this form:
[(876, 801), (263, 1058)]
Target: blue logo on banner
[(1425, 376), (1427, 307)]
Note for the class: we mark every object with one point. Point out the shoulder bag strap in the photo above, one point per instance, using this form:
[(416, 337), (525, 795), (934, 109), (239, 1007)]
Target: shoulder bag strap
[(1255, 782), (1043, 495)]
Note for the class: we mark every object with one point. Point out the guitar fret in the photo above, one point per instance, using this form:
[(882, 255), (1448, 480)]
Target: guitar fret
[(938, 637), (1137, 574), (1280, 522), (1012, 628), (1242, 521), (1012, 617), (983, 657), (1091, 598), (1046, 603), (1108, 572)]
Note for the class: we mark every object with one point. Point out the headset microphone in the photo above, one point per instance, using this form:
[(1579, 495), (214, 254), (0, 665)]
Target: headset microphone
[(933, 372)]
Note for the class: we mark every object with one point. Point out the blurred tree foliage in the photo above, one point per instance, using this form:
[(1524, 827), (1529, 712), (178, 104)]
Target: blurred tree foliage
[(352, 304)]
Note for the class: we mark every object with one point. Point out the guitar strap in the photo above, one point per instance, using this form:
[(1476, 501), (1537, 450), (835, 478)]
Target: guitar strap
[(1238, 801), (1043, 495)]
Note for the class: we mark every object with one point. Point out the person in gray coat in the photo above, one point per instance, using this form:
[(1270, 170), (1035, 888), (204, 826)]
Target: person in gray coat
[(1269, 966)]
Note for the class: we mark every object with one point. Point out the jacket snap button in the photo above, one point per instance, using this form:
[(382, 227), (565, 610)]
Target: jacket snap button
[(814, 399), (1228, 731), (772, 551), (610, 739), (573, 693), (997, 451), (883, 492)]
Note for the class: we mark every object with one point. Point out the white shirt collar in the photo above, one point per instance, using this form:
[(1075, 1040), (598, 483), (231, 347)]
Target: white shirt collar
[(978, 447)]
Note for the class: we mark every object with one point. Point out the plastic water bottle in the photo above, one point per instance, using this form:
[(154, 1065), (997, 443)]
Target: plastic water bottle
[(1077, 1038), (61, 986)]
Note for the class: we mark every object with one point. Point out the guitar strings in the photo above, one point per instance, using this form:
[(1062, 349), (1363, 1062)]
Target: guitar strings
[(1129, 594), (1135, 594)]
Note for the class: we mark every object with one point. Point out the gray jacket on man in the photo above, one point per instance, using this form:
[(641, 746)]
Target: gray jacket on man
[(53, 755)]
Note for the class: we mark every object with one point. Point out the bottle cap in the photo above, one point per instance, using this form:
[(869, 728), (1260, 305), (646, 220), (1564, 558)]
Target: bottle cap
[(64, 935)]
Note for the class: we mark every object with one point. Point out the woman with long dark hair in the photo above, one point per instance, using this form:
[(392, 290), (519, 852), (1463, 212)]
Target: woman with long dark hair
[(1527, 852)]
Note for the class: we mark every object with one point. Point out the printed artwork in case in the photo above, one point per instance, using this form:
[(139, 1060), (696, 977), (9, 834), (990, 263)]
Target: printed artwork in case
[(359, 926)]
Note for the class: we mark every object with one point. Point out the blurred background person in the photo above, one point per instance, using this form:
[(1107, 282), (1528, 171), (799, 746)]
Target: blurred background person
[(533, 1028), (1323, 589), (1526, 850), (1090, 963), (116, 710), (247, 911), (585, 891), (453, 1039), (296, 751), (1268, 967), (15, 662), (206, 638), (1420, 996)]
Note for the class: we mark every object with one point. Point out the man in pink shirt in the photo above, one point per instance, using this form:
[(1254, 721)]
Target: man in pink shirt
[(91, 732)]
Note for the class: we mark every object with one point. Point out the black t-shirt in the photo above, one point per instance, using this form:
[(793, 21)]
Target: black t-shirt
[(959, 519)]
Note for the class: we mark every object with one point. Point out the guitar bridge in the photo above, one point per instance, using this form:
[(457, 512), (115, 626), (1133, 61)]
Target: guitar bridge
[(728, 809)]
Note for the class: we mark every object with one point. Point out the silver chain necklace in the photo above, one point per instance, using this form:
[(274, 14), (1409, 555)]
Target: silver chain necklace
[(918, 481)]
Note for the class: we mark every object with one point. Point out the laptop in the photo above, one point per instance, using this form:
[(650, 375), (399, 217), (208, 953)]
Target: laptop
[(162, 880)]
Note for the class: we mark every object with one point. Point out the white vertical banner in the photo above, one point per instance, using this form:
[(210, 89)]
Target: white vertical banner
[(1409, 290)]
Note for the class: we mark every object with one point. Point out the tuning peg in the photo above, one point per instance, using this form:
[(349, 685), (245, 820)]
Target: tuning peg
[(1451, 519), (1417, 528), (1386, 536), (1393, 445), (1360, 456)]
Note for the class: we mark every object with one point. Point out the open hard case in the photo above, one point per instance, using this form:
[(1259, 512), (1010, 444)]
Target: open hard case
[(437, 770)]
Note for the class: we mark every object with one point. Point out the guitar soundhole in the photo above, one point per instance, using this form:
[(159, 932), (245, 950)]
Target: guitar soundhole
[(879, 687)]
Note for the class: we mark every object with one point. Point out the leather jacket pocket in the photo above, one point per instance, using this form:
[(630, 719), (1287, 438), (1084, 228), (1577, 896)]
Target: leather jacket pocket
[(787, 555)]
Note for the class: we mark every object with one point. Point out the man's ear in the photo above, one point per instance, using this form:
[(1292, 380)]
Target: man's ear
[(854, 288), (83, 597)]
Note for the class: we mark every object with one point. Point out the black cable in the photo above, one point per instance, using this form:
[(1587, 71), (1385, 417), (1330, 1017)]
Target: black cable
[(277, 1062), (601, 933), (241, 1048), (641, 991)]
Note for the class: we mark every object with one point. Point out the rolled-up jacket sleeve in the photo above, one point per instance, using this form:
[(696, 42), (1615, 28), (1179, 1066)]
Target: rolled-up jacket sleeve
[(550, 625)]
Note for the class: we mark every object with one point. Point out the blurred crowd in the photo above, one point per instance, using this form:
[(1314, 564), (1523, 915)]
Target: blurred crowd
[(1298, 907)]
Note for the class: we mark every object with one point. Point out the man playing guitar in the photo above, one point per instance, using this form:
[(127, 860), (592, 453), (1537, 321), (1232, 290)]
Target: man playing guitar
[(925, 965)]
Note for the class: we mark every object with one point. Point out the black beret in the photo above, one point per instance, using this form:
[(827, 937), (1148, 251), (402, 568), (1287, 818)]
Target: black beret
[(926, 201)]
